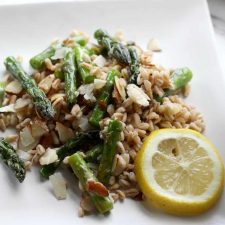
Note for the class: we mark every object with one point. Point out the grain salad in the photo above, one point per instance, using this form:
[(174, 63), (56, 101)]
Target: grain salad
[(89, 106)]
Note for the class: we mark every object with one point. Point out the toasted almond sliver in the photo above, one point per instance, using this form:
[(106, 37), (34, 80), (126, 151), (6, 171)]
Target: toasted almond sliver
[(120, 88), (97, 187), (137, 95)]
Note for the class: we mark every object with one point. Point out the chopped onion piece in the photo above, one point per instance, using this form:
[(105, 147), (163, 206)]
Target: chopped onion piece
[(59, 185)]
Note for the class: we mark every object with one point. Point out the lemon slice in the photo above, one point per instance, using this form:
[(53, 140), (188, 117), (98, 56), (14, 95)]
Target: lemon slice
[(180, 171)]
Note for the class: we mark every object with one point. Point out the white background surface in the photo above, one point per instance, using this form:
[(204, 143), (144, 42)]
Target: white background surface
[(217, 10), (33, 202)]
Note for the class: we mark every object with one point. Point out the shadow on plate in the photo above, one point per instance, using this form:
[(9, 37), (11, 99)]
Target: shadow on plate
[(153, 212), (8, 175)]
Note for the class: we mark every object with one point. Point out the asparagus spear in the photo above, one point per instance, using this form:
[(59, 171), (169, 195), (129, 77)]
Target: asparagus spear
[(37, 61), (69, 71), (86, 177), (179, 78), (134, 66), (79, 141), (83, 70), (104, 99), (109, 151), (2, 92), (12, 160), (41, 102), (94, 154), (114, 48)]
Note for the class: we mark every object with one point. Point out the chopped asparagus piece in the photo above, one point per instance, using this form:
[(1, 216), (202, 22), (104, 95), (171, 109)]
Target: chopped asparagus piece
[(2, 92), (84, 174), (37, 61), (69, 71), (133, 67), (76, 143), (59, 74), (11, 159), (40, 100), (104, 99), (83, 70), (179, 78), (109, 151)]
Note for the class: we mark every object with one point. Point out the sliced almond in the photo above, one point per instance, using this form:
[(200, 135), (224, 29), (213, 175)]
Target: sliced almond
[(21, 103), (14, 87), (28, 147), (46, 83), (120, 85), (38, 128), (137, 95), (65, 133), (119, 165), (99, 83)]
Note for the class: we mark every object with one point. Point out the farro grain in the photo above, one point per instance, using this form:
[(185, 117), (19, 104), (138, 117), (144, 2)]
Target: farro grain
[(121, 195), (2, 125)]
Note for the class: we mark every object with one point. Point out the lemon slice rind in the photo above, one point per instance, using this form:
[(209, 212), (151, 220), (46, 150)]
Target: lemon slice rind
[(168, 199)]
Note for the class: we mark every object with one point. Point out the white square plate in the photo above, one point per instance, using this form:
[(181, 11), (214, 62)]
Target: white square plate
[(186, 35)]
